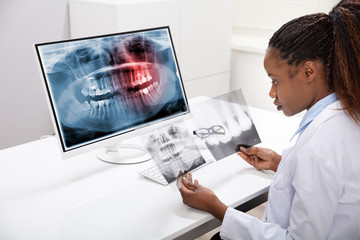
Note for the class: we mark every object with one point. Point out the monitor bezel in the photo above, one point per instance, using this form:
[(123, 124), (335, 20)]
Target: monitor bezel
[(113, 139)]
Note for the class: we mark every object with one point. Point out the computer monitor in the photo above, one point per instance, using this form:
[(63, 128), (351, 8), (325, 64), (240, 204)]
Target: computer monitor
[(103, 89)]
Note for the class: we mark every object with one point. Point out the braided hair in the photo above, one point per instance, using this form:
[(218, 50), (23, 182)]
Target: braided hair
[(334, 39)]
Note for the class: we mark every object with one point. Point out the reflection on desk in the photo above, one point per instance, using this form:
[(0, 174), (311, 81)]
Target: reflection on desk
[(45, 197)]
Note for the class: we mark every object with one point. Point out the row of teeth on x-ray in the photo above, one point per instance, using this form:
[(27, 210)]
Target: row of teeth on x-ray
[(229, 115), (120, 105), (169, 151), (132, 88), (234, 125), (132, 80)]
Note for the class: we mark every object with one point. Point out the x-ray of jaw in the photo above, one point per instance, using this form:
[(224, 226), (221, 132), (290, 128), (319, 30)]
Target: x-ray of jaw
[(105, 85), (173, 149), (223, 123)]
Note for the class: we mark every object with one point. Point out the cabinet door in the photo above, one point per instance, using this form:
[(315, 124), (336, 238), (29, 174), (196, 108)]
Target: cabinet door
[(95, 17), (205, 38)]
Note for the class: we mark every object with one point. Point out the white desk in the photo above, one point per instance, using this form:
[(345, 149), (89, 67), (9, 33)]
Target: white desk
[(45, 197)]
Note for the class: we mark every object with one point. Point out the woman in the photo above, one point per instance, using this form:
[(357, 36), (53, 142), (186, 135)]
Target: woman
[(314, 64)]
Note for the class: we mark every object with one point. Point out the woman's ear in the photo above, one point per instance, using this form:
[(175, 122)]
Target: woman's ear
[(309, 69)]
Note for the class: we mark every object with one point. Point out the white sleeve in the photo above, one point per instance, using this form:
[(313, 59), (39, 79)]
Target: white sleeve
[(239, 225)]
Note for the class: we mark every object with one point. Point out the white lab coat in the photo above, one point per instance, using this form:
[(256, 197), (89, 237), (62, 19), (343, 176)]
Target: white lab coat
[(315, 193)]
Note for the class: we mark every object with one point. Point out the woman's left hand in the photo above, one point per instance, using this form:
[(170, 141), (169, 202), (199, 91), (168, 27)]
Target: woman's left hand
[(200, 197)]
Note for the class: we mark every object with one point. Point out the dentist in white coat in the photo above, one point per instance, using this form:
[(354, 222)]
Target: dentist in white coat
[(314, 64)]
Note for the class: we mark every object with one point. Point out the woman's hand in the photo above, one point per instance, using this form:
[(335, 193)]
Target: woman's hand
[(261, 158), (200, 197)]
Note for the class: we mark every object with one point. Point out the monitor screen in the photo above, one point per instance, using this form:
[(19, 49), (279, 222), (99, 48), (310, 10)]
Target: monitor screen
[(106, 86)]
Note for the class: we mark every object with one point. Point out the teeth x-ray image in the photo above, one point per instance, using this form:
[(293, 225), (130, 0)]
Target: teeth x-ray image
[(173, 149), (104, 85), (223, 123)]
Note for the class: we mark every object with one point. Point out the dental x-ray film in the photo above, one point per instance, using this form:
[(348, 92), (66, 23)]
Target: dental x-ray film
[(223, 123), (107, 85), (173, 149)]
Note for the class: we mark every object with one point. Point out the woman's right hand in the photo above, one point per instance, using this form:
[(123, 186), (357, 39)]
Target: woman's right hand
[(260, 158)]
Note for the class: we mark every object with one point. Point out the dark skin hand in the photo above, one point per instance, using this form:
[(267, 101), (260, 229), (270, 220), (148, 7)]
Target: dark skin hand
[(197, 196), (260, 158)]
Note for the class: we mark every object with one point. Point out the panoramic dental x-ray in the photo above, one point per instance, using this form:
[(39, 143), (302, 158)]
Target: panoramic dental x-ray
[(103, 86)]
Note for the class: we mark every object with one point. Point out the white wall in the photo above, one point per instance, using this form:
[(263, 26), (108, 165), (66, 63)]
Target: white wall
[(254, 22), (247, 69), (24, 113), (247, 73)]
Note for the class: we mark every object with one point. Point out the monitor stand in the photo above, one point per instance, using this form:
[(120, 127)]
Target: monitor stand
[(124, 154)]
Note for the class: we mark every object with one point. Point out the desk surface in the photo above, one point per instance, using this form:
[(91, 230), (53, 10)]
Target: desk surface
[(45, 197)]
